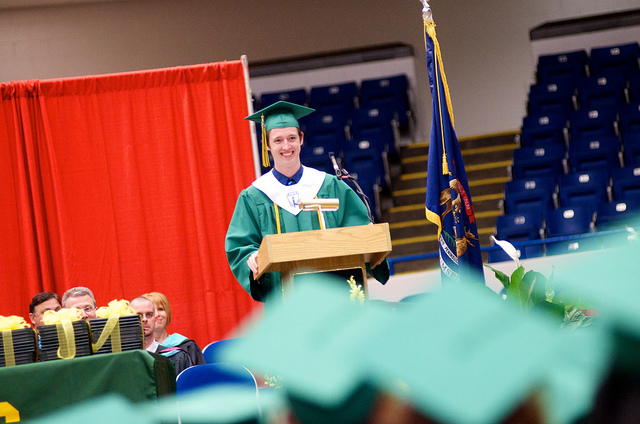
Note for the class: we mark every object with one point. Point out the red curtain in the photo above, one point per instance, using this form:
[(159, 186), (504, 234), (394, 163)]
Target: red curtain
[(125, 184)]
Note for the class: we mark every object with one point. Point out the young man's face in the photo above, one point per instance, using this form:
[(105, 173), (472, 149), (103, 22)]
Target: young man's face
[(285, 144), (147, 312), (48, 305)]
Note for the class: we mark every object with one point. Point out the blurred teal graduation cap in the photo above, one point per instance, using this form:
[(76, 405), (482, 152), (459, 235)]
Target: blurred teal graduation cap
[(223, 404), (107, 409), (607, 280), (310, 342), (459, 356)]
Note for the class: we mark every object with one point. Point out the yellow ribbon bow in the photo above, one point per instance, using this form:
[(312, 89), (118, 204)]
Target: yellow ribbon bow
[(13, 322), (7, 324), (113, 312), (63, 319), (56, 317)]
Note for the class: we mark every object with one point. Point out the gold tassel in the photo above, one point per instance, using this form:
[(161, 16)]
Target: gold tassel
[(430, 28), (265, 151)]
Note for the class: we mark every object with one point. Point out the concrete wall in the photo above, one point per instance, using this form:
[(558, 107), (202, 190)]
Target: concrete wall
[(485, 44)]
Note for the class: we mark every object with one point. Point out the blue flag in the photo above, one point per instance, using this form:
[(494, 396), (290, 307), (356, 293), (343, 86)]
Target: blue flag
[(448, 203)]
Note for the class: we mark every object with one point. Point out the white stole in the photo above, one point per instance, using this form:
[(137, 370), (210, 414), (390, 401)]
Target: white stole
[(288, 197)]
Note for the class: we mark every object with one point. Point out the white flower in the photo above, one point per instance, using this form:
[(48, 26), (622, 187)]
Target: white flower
[(509, 249)]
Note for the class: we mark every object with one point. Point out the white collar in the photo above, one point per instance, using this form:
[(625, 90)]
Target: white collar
[(153, 347), (287, 197)]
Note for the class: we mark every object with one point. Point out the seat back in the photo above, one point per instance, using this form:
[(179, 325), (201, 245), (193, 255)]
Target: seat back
[(615, 60), (540, 161), (208, 375), (211, 351)]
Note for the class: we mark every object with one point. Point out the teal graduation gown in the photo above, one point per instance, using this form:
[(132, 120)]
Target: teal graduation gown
[(254, 217)]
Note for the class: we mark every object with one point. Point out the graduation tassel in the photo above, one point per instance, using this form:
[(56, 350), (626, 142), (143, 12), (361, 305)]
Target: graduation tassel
[(265, 151)]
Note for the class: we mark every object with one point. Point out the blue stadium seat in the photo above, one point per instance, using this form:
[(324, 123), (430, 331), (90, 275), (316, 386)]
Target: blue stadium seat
[(329, 96), (543, 129), (601, 92), (551, 98), (633, 87), (390, 92), (600, 153), (542, 161), (578, 57), (326, 129), (631, 147), (568, 221), (519, 227), (211, 352), (618, 214), (615, 60), (625, 183), (590, 123), (374, 123), (208, 375), (298, 96), (366, 156), (586, 189), (559, 72), (529, 194), (629, 118)]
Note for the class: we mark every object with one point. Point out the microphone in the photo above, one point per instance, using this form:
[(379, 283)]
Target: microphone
[(336, 168)]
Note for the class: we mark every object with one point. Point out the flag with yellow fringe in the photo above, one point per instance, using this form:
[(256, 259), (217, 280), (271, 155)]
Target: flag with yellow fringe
[(448, 200)]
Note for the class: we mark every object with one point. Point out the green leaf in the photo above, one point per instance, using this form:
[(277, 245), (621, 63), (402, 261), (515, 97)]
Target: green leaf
[(501, 276), (574, 318), (535, 283), (514, 292)]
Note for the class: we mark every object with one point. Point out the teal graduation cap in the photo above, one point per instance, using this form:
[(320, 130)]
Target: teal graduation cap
[(278, 115)]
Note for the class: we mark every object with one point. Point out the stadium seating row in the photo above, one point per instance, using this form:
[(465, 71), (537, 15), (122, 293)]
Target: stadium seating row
[(530, 228), (545, 128), (589, 189), (577, 169), (601, 61)]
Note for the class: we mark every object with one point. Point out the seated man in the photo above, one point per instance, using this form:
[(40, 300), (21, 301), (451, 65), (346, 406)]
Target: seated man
[(45, 301), (81, 298), (147, 311)]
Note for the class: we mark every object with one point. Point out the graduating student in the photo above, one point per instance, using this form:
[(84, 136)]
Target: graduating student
[(270, 204)]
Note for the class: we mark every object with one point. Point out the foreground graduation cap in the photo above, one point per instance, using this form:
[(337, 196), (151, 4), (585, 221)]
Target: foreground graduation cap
[(281, 114), (108, 409), (461, 356), (608, 281)]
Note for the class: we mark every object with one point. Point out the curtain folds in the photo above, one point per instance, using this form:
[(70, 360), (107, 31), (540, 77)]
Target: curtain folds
[(125, 184)]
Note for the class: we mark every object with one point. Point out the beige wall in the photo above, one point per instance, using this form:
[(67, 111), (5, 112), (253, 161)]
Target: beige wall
[(485, 44)]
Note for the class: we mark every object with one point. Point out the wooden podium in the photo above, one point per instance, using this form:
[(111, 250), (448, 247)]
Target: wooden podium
[(332, 249)]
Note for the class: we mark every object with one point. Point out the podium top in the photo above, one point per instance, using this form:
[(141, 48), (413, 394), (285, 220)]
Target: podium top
[(277, 250)]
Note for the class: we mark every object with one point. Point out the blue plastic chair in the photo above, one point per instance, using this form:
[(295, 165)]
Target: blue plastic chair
[(590, 123), (615, 60), (208, 375), (329, 96), (211, 351), (551, 98), (586, 189), (540, 161), (567, 222), (595, 154)]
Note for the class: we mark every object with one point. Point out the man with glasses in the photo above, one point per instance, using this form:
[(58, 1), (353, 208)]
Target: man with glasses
[(81, 298), (147, 311)]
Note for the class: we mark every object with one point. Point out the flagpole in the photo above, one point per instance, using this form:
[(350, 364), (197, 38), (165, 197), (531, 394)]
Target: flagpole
[(426, 10)]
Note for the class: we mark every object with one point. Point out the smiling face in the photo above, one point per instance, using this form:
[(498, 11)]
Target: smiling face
[(285, 144)]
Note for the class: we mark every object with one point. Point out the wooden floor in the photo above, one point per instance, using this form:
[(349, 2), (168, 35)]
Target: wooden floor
[(487, 161)]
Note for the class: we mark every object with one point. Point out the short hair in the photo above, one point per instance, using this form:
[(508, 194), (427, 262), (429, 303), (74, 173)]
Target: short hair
[(41, 298), (159, 299), (76, 292)]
